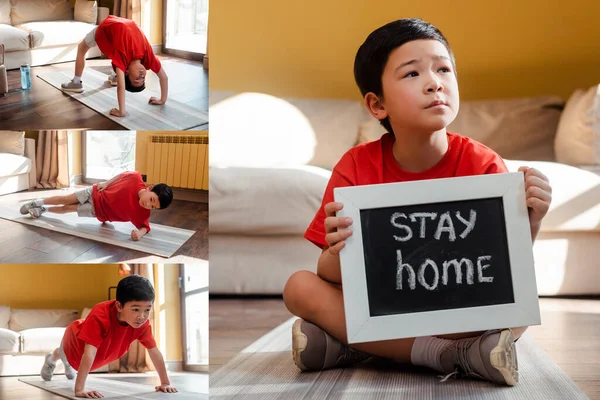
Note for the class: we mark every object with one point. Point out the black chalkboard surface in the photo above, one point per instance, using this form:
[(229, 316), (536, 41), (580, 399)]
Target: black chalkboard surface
[(413, 253)]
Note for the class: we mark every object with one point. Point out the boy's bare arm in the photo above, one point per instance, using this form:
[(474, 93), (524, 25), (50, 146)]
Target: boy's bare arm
[(120, 112), (137, 234), (105, 184), (159, 364), (87, 359), (164, 88)]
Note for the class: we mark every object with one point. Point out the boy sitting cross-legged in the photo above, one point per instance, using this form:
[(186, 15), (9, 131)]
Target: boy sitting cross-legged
[(105, 336), (124, 198), (407, 75)]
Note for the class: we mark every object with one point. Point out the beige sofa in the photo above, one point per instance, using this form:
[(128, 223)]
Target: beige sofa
[(17, 162), (40, 32), (271, 159)]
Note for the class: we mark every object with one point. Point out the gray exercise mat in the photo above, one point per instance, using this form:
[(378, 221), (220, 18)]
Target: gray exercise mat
[(100, 96), (110, 389), (265, 370), (161, 240)]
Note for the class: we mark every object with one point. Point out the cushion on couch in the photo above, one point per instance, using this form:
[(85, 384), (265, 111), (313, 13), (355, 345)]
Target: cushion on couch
[(9, 341), (578, 136), (11, 165), (40, 10), (4, 12), (21, 319), (14, 39), (12, 142), (265, 201), (86, 11), (4, 316), (41, 340), (56, 33)]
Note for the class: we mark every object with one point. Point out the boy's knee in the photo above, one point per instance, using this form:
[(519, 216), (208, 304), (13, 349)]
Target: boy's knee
[(296, 293)]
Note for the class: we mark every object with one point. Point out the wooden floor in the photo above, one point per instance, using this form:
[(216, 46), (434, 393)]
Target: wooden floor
[(12, 389), (45, 107), (21, 243), (570, 333)]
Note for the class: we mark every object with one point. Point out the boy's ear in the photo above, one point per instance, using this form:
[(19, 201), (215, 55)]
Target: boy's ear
[(119, 306), (149, 187), (375, 107)]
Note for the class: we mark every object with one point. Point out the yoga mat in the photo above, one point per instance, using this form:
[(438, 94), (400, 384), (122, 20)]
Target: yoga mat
[(161, 240), (111, 389), (265, 370), (100, 96)]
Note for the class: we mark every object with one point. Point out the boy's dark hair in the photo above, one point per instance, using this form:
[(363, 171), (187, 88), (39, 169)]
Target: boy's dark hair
[(164, 193), (373, 54), (129, 87), (134, 288)]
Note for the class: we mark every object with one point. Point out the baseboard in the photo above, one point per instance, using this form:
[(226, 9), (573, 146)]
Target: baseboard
[(174, 366), (157, 48), (205, 62), (199, 196), (76, 179)]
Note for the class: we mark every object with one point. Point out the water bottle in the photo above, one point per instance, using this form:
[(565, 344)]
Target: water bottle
[(25, 77)]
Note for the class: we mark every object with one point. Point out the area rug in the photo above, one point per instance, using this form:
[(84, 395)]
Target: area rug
[(100, 96), (110, 389), (161, 240), (265, 370)]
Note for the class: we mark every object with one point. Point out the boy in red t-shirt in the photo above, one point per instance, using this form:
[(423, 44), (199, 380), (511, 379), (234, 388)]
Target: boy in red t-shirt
[(124, 198), (122, 41), (106, 334), (406, 73)]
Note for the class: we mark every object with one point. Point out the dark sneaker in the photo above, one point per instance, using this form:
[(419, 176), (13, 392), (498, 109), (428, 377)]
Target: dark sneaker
[(72, 87), (36, 212), (28, 206), (48, 368), (315, 350), (491, 356)]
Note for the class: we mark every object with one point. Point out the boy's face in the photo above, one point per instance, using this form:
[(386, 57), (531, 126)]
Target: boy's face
[(135, 312), (149, 199), (136, 74), (420, 91)]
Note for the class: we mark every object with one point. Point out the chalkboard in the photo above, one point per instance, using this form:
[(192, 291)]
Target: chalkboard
[(436, 256)]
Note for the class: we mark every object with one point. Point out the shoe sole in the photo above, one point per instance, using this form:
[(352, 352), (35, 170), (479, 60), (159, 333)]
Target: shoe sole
[(503, 357), (299, 343), (73, 90)]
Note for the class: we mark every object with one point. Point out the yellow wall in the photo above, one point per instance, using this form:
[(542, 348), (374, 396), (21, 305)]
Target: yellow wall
[(306, 48), (169, 307), (141, 147), (56, 285), (75, 160)]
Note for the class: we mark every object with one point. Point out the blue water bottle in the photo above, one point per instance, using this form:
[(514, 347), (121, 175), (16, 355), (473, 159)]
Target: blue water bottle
[(25, 77)]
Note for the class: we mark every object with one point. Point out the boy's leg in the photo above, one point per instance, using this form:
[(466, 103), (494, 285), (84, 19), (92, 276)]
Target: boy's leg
[(49, 365), (311, 298), (70, 372), (75, 85), (35, 207)]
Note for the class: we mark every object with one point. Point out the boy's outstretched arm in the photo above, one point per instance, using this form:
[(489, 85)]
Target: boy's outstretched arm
[(538, 195), (87, 359), (164, 88), (120, 112), (159, 364)]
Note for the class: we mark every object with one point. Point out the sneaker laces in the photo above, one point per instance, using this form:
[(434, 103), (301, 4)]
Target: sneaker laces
[(460, 359)]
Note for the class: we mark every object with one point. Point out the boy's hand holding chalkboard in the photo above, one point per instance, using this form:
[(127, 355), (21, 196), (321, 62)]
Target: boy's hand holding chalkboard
[(337, 228)]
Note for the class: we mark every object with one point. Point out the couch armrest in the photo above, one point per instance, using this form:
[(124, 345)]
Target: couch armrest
[(103, 12), (30, 153)]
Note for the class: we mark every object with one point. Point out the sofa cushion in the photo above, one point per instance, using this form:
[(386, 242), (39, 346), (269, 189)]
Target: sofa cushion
[(521, 128), (14, 39), (5, 12), (40, 10), (575, 194), (4, 316), (86, 11), (12, 142), (265, 201), (578, 135), (56, 33), (9, 341), (41, 340), (11, 165), (21, 319)]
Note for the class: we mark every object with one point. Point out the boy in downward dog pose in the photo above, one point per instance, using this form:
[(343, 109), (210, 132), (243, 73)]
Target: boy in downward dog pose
[(124, 198), (126, 45), (106, 334), (406, 73)]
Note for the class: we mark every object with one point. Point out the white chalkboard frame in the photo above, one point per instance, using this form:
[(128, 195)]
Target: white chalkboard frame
[(361, 327)]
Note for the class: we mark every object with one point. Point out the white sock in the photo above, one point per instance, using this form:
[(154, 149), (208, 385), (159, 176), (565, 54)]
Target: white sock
[(427, 351), (77, 79)]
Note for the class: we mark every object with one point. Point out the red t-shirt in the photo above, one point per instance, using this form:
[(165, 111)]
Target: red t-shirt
[(123, 42), (372, 163), (103, 330), (120, 201)]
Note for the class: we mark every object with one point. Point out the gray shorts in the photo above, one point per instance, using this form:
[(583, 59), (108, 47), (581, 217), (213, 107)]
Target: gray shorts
[(90, 38), (86, 205)]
